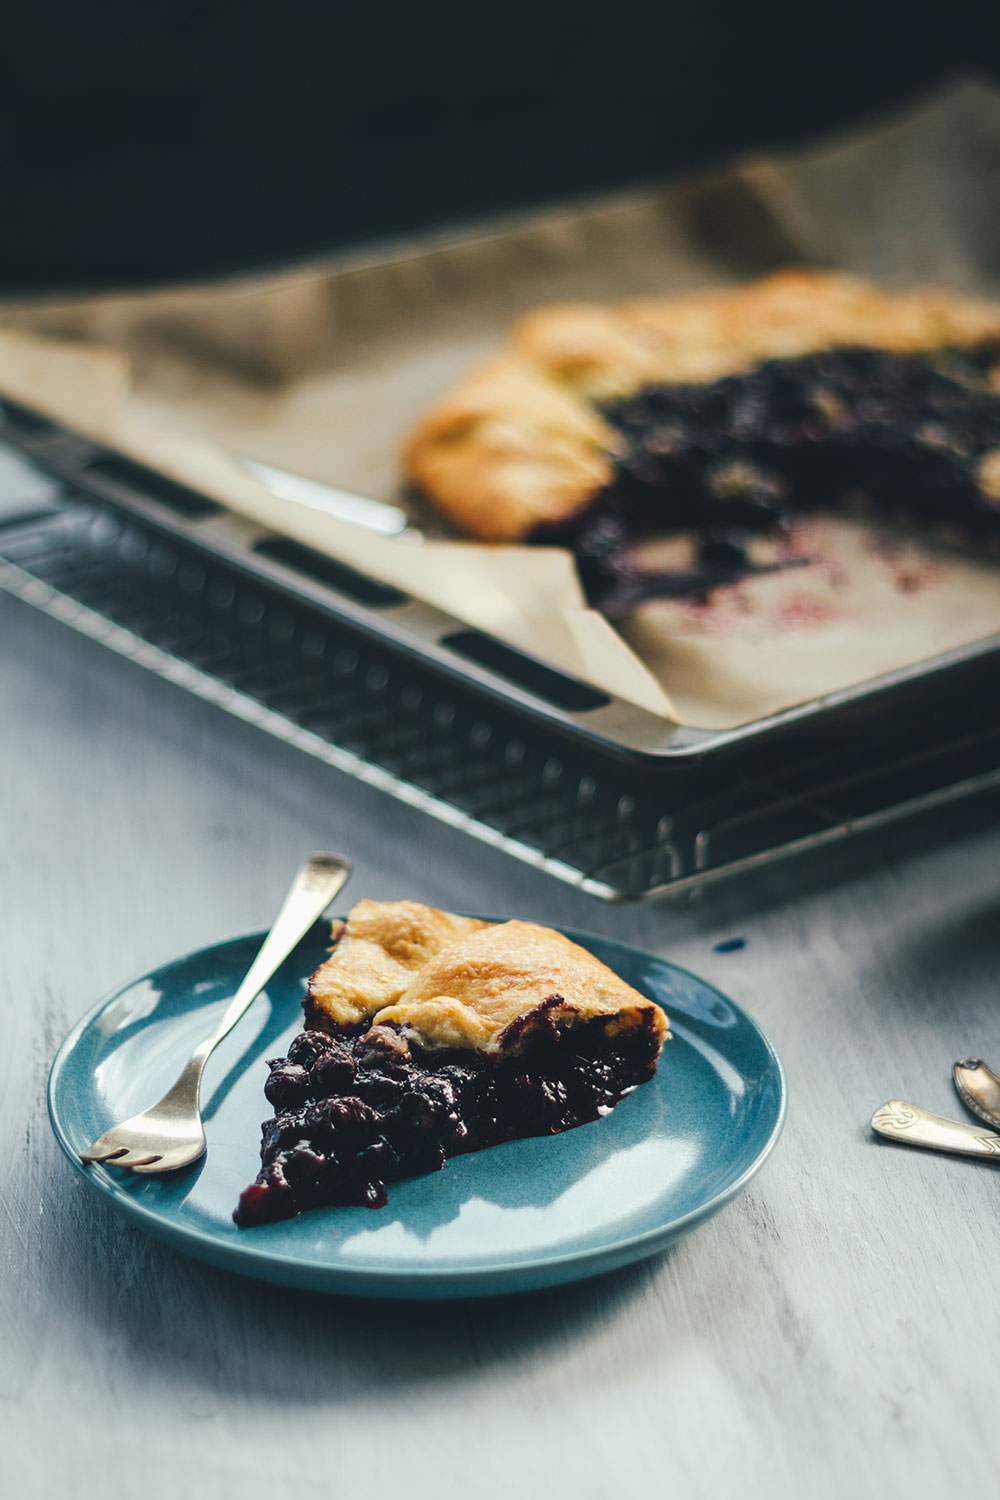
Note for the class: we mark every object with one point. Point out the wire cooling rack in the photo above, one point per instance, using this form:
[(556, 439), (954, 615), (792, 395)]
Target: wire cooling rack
[(297, 667)]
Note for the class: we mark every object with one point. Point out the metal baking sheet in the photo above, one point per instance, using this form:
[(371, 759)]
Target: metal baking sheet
[(368, 683), (321, 371)]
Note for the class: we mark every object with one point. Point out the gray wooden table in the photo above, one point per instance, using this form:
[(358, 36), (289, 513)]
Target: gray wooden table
[(830, 1333)]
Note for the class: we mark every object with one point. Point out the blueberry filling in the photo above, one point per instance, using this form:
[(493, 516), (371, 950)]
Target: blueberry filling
[(355, 1112), (734, 458)]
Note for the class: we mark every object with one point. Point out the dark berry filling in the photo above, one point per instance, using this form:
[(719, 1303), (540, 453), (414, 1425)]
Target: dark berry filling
[(355, 1112), (733, 458)]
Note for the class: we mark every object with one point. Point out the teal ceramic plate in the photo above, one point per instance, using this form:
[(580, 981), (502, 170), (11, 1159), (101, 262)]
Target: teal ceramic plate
[(523, 1215)]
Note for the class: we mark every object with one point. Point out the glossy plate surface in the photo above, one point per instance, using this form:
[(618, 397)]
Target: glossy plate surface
[(515, 1217)]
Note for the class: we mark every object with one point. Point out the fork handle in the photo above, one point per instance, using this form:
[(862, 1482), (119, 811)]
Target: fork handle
[(311, 892)]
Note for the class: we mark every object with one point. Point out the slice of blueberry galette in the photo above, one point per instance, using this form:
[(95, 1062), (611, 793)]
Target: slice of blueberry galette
[(429, 1035)]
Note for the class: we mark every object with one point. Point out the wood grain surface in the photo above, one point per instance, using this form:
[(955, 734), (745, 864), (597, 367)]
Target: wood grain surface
[(830, 1333)]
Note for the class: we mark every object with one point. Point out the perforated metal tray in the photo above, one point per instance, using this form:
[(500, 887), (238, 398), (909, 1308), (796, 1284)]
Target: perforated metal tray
[(593, 790)]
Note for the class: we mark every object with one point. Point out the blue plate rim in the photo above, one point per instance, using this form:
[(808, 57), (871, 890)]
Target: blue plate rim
[(246, 1260)]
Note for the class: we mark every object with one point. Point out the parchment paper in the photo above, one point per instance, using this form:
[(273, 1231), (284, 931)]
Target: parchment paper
[(322, 370)]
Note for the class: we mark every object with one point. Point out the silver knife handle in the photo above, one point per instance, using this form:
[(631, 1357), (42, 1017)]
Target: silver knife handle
[(900, 1121)]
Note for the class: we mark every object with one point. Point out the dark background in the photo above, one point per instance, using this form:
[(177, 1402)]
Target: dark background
[(143, 143)]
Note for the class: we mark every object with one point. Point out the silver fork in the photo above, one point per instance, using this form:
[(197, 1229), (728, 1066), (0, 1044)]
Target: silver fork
[(170, 1134)]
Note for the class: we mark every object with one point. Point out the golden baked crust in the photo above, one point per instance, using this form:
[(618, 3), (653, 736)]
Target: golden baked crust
[(450, 981), (518, 442), (507, 448)]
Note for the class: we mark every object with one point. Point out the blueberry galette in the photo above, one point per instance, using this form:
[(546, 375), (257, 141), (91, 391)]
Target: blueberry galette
[(720, 414), (430, 1034)]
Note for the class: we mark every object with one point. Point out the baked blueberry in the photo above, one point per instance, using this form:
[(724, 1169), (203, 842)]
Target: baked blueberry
[(430, 1035), (721, 411)]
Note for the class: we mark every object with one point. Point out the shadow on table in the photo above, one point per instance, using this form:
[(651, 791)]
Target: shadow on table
[(804, 876), (876, 855), (175, 1323), (958, 948)]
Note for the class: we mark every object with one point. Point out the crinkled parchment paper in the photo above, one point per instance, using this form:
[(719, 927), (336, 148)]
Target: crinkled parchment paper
[(322, 370)]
